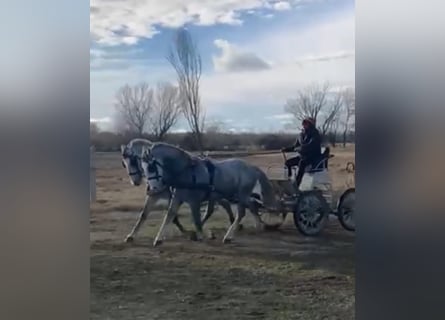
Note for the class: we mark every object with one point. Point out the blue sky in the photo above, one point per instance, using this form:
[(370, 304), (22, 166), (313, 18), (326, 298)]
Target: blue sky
[(256, 53)]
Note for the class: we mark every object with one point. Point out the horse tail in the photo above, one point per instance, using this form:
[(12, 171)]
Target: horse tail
[(267, 190)]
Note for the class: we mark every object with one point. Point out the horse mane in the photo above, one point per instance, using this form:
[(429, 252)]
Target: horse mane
[(140, 142), (137, 145), (188, 156), (179, 149)]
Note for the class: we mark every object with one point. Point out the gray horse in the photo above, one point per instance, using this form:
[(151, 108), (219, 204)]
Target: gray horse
[(195, 180), (131, 160)]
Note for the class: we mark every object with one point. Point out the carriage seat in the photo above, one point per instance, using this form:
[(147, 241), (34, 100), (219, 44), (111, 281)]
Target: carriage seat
[(320, 164)]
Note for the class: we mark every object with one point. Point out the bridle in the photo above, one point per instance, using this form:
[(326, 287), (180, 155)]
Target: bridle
[(134, 162), (153, 165)]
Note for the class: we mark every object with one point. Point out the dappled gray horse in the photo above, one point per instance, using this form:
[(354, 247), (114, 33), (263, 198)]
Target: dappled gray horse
[(195, 180), (131, 160)]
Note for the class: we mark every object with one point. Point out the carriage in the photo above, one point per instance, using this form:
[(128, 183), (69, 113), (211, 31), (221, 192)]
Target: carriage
[(311, 207), (314, 204)]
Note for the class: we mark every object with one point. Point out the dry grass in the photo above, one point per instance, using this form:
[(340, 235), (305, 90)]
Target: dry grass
[(263, 275)]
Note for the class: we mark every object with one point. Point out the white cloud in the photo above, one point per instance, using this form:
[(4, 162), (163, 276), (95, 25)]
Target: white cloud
[(272, 86), (179, 130), (114, 22), (328, 57), (281, 6), (233, 59), (281, 116), (104, 123), (326, 47), (331, 37), (101, 120)]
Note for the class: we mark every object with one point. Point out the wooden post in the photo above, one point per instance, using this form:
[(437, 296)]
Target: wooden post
[(92, 175)]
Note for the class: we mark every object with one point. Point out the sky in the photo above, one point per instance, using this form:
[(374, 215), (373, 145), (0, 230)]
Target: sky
[(256, 54)]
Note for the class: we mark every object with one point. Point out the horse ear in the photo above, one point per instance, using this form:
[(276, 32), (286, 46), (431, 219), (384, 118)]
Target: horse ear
[(145, 151)]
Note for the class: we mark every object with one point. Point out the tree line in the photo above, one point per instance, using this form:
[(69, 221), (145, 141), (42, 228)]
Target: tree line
[(106, 141)]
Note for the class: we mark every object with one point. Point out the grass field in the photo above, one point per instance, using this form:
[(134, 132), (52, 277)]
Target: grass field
[(261, 275)]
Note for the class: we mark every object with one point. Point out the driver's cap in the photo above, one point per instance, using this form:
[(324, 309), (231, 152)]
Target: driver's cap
[(309, 120)]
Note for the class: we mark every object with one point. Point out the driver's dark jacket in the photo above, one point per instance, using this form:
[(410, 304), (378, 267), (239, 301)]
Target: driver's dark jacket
[(308, 144)]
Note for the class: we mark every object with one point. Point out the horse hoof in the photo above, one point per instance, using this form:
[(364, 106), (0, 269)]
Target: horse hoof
[(157, 243), (227, 241), (260, 227), (211, 235), (193, 236), (129, 239)]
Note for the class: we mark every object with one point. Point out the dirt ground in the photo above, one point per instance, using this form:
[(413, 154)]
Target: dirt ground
[(261, 275)]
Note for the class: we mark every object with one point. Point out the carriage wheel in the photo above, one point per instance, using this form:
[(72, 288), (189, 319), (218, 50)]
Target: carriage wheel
[(346, 208), (310, 213)]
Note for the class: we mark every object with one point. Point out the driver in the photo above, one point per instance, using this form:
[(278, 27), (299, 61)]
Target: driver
[(308, 145)]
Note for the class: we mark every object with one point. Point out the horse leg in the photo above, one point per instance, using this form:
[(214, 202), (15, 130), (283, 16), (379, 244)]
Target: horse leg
[(149, 202), (168, 218), (228, 207), (195, 207), (253, 207), (235, 225), (209, 211), (179, 225)]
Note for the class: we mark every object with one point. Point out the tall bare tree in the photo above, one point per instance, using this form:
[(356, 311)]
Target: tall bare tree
[(134, 103), (314, 101), (349, 111), (331, 113), (309, 102), (186, 60), (166, 109), (333, 131)]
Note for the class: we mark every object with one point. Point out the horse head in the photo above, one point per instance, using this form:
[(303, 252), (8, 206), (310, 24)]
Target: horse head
[(131, 159), (163, 164)]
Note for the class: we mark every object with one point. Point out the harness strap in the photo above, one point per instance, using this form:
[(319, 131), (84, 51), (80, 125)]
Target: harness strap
[(211, 169), (209, 187)]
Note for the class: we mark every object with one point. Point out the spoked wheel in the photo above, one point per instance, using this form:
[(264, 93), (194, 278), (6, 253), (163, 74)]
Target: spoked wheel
[(346, 208), (310, 213)]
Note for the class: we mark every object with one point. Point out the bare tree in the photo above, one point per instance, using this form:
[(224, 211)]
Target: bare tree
[(166, 109), (186, 60), (333, 132), (134, 103), (313, 101), (349, 111), (332, 113), (309, 102)]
